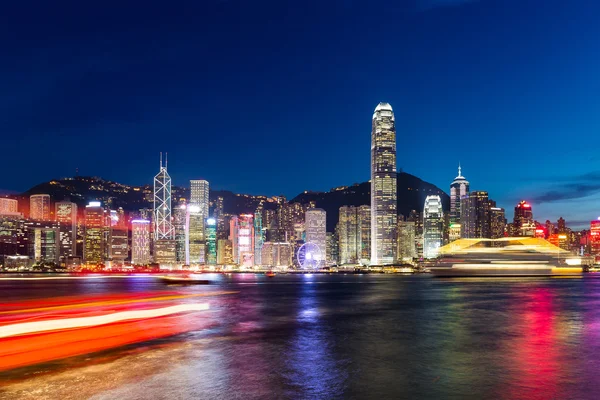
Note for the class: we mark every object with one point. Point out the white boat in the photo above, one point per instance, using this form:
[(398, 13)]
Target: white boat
[(505, 257)]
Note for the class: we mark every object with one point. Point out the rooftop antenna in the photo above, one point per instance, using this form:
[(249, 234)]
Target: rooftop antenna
[(166, 160), (459, 169), (161, 160)]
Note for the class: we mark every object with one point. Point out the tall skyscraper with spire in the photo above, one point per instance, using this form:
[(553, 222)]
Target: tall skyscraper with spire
[(165, 252), (458, 188), (163, 226), (383, 186)]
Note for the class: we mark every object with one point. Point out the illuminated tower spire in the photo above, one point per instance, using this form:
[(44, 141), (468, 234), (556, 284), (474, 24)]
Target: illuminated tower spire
[(458, 188), (163, 227), (383, 186)]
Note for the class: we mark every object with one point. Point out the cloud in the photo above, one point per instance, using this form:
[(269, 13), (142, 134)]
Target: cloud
[(567, 192)]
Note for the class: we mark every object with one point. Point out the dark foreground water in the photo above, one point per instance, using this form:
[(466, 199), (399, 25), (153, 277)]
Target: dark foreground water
[(345, 336)]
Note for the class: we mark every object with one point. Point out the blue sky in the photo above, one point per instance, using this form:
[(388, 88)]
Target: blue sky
[(272, 97)]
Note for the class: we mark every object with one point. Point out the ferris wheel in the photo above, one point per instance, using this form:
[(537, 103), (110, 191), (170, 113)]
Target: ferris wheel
[(310, 256)]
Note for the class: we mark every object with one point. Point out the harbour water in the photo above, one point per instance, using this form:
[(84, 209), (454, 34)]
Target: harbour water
[(341, 336)]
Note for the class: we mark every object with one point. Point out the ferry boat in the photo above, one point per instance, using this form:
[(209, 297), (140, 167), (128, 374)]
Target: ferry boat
[(505, 257)]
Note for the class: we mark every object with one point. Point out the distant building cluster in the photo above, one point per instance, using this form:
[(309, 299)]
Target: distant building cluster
[(194, 231)]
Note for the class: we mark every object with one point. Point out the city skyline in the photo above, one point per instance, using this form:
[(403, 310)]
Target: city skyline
[(490, 91)]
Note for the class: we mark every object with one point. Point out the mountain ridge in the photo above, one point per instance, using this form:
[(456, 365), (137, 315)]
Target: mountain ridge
[(411, 195)]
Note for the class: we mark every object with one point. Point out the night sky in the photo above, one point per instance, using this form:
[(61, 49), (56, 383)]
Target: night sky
[(276, 97)]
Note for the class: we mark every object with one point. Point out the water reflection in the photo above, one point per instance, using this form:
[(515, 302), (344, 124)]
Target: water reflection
[(311, 367)]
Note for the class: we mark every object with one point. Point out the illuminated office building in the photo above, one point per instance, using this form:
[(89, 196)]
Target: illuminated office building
[(523, 223), (8, 206), (119, 237), (454, 232), (383, 186), (433, 226), (163, 227), (475, 215), (259, 233), (242, 239), (407, 249), (348, 235), (363, 241), (66, 216), (165, 252), (39, 207), (277, 254), (196, 240), (594, 237), (497, 222), (224, 252), (13, 235), (316, 231), (458, 189), (561, 225), (140, 242), (199, 193), (416, 217), (43, 241), (331, 251), (180, 231), (211, 241), (94, 240)]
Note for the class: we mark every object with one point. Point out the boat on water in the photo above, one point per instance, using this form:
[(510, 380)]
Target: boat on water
[(521, 256), (192, 279), (270, 274)]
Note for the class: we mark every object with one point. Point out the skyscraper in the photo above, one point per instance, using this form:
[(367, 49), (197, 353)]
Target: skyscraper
[(140, 242), (316, 231), (363, 241), (242, 239), (259, 238), (475, 215), (196, 240), (348, 238), (383, 186), (497, 222), (8, 206), (407, 249), (331, 252), (163, 227), (433, 226), (523, 223), (199, 192), (66, 216), (211, 241), (39, 207), (180, 230), (43, 241), (164, 234), (595, 237), (458, 188), (94, 241), (119, 238)]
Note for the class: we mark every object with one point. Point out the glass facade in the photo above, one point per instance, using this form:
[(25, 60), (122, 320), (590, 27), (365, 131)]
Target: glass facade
[(316, 231), (39, 207), (211, 241), (163, 227), (458, 189), (433, 226), (383, 186), (140, 242), (66, 216), (199, 195), (94, 241)]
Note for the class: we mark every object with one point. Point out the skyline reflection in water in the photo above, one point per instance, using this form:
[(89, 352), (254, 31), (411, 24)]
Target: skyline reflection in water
[(346, 336)]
